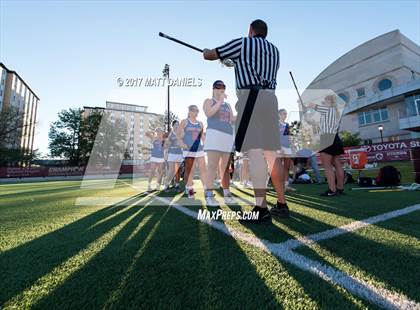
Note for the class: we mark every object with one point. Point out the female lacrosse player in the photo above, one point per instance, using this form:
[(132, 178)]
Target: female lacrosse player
[(174, 156), (219, 142), (157, 159), (191, 132)]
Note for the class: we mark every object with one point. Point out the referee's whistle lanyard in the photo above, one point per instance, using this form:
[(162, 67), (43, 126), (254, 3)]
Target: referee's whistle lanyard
[(246, 117)]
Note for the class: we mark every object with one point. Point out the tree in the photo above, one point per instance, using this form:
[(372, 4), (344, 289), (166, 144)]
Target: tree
[(162, 121), (75, 137), (107, 141), (11, 124), (64, 135), (89, 130), (16, 157), (350, 139)]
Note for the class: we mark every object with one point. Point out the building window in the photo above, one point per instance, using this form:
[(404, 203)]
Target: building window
[(384, 114), (376, 116), (367, 142), (361, 118), (384, 84), (413, 105), (360, 92), (373, 116), (345, 97)]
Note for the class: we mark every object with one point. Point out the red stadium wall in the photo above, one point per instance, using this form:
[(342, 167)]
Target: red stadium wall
[(9, 172)]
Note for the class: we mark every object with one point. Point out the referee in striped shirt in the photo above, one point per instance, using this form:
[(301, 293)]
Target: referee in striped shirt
[(256, 62), (331, 145)]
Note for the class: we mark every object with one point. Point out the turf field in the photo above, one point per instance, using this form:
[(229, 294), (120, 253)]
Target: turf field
[(66, 246)]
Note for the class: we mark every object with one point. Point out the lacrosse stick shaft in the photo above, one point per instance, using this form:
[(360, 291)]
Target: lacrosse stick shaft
[(294, 83), (161, 34)]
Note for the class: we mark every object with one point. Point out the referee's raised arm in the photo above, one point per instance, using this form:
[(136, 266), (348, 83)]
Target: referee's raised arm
[(210, 54), (230, 50)]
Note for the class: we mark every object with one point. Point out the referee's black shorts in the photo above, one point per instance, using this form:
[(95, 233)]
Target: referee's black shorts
[(331, 144), (257, 124)]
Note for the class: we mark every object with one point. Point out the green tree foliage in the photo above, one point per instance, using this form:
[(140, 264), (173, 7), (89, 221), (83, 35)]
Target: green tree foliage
[(110, 141), (350, 139), (162, 121), (11, 157), (64, 135)]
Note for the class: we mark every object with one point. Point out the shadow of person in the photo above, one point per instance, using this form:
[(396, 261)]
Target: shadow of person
[(188, 264), (24, 264)]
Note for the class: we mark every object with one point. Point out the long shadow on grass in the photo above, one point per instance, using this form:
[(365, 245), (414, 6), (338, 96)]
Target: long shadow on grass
[(23, 265), (188, 264), (173, 261), (103, 279), (297, 222), (323, 293), (395, 266), (357, 205), (406, 225)]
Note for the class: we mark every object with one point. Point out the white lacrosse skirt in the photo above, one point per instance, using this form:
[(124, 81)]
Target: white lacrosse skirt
[(218, 141), (197, 154), (158, 160), (175, 158)]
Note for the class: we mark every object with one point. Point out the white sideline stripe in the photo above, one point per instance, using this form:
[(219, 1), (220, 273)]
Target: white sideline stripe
[(379, 296), (331, 233)]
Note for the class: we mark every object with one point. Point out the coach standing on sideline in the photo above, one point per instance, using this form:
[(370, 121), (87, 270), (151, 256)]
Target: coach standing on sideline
[(256, 63)]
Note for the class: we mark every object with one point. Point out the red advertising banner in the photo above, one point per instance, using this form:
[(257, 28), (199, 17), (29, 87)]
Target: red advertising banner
[(8, 172), (65, 171), (25, 172), (388, 151)]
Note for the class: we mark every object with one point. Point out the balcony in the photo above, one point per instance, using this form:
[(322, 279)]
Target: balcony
[(380, 96), (410, 120), (411, 123)]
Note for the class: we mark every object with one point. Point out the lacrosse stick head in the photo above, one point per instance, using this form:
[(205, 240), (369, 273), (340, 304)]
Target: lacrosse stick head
[(228, 63)]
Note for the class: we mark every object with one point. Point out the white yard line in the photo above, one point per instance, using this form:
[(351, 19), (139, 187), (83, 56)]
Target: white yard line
[(338, 231), (379, 296), (331, 233)]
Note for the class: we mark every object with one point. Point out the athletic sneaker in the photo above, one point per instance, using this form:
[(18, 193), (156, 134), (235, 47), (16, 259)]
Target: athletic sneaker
[(340, 191), (264, 216), (229, 200), (211, 201), (248, 184), (177, 188), (216, 184), (280, 209), (328, 193)]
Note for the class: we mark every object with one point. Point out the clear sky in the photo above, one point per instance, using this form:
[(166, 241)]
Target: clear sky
[(71, 53)]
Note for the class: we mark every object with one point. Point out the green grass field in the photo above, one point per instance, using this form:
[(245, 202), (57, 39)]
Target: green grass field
[(56, 252)]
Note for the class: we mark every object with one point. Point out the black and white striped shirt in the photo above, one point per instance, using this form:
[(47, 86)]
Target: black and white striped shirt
[(330, 119), (256, 61)]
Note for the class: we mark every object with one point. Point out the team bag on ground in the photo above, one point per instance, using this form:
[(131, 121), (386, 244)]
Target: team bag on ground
[(388, 176)]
